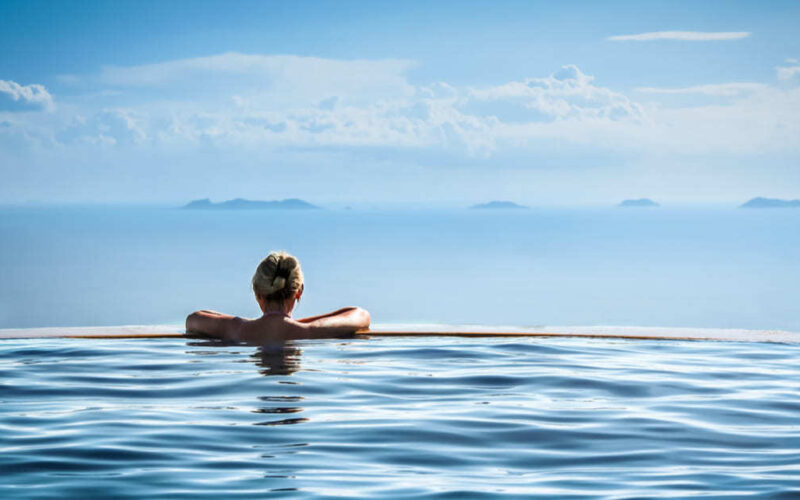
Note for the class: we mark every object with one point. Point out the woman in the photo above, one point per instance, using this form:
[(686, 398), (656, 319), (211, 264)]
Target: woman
[(278, 286)]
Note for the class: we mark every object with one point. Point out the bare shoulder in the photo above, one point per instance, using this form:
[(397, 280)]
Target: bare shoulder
[(337, 324), (265, 330)]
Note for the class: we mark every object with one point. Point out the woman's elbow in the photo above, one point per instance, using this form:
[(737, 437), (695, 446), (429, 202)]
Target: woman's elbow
[(192, 320), (363, 318)]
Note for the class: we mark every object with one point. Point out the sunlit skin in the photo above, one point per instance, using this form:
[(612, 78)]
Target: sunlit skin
[(277, 324)]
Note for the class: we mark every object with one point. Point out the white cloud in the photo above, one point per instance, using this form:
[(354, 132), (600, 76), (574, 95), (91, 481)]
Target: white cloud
[(216, 117), (788, 72), (717, 89), (310, 103), (469, 120), (331, 103), (16, 97), (691, 36), (268, 80), (566, 94), (106, 127)]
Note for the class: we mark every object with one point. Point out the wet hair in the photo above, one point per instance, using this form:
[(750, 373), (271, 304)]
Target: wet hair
[(278, 277)]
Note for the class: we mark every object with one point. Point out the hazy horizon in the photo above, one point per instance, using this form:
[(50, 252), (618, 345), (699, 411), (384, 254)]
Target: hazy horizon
[(397, 204)]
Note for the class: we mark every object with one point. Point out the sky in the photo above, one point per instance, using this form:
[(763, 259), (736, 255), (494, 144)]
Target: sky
[(340, 102)]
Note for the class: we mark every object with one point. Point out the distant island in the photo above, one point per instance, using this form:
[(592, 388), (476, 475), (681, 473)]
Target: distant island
[(641, 202), (242, 204), (770, 203), (497, 205)]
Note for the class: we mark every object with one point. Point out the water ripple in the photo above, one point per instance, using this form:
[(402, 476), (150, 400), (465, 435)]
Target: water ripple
[(399, 418)]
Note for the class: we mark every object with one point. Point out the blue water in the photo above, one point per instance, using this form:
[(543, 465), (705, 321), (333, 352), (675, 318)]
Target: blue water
[(404, 417), (399, 418), (711, 268)]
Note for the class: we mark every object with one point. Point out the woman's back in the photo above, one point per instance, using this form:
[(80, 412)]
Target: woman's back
[(278, 286), (277, 328)]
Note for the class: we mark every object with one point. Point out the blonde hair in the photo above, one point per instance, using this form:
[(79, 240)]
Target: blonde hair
[(278, 277)]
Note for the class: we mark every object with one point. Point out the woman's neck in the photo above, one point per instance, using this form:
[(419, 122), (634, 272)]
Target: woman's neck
[(277, 309), (275, 313)]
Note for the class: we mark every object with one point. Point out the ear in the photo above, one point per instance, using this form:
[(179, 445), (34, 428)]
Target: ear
[(300, 292), (260, 302)]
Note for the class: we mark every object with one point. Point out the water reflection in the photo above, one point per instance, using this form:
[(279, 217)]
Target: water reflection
[(282, 359), (277, 359)]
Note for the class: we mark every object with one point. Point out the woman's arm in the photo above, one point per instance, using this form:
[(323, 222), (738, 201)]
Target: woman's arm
[(211, 323), (343, 322), (337, 312)]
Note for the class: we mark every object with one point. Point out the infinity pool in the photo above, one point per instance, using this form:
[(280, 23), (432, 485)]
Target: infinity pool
[(398, 418)]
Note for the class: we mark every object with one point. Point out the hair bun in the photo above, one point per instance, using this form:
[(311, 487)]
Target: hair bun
[(278, 283), (277, 277)]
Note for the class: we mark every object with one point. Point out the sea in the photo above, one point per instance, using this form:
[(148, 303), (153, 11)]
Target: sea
[(403, 417), (661, 267)]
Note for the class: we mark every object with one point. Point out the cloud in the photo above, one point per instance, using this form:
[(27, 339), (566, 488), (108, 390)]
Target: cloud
[(788, 72), (267, 80), (105, 127), (217, 122), (300, 103), (438, 116), (311, 103), (566, 94), (16, 97), (690, 36), (717, 90)]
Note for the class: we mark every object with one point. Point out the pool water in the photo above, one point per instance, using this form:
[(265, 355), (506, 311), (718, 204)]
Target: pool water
[(396, 418)]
